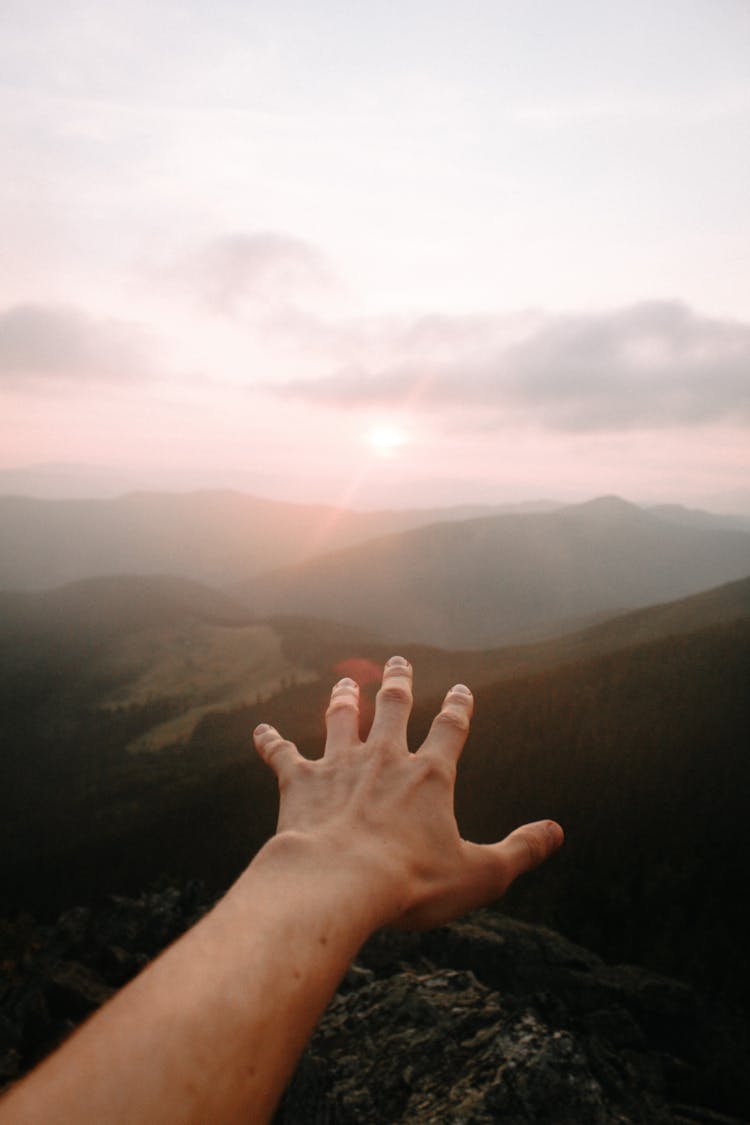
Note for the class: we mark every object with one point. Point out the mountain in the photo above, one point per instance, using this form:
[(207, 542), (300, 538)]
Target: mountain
[(216, 537), (100, 607), (722, 605), (455, 577), (696, 517), (506, 578)]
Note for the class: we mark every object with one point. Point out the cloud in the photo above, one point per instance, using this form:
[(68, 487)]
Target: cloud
[(62, 342), (652, 364), (263, 268)]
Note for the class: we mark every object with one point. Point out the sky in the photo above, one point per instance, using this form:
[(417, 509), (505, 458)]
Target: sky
[(380, 255)]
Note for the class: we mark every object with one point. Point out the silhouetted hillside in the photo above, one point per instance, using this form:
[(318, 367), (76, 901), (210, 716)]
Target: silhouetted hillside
[(506, 578)]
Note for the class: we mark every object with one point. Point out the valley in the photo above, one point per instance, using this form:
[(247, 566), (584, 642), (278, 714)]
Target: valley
[(127, 704)]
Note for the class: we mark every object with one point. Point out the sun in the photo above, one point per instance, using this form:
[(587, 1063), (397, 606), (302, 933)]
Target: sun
[(386, 439)]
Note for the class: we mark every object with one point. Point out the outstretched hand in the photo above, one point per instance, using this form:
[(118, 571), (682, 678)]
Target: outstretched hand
[(392, 810)]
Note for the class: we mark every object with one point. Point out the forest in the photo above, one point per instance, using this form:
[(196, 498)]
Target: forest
[(640, 752)]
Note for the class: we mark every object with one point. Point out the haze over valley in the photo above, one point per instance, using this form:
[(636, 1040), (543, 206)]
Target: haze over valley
[(459, 579)]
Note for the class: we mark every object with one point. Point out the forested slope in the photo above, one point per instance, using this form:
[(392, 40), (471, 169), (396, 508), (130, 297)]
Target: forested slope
[(640, 752)]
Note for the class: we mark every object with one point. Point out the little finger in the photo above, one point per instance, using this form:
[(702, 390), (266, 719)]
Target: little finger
[(450, 727)]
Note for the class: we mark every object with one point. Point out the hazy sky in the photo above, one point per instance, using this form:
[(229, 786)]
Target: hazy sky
[(379, 253)]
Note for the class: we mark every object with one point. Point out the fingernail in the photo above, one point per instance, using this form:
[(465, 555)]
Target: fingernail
[(555, 833), (261, 728), (398, 662), (461, 689), (347, 683)]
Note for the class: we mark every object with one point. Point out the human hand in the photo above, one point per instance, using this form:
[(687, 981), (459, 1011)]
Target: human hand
[(392, 811)]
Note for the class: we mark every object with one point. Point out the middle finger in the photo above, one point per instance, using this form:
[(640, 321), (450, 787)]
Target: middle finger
[(393, 705)]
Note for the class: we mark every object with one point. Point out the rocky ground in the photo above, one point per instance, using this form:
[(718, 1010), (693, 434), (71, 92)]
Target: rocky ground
[(487, 1020)]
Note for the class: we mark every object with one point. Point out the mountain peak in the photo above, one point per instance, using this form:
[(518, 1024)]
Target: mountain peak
[(608, 506)]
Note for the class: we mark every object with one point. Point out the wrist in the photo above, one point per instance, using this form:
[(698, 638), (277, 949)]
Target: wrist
[(362, 883)]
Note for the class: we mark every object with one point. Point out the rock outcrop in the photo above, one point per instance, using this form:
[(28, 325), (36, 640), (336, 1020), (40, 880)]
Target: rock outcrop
[(491, 1020), (52, 977), (486, 1020)]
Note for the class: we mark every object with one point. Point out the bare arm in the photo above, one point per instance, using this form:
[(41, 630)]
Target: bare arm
[(366, 837)]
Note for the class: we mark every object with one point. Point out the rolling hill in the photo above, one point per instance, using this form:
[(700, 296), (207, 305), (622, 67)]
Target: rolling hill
[(506, 578), (109, 606), (176, 650), (134, 643)]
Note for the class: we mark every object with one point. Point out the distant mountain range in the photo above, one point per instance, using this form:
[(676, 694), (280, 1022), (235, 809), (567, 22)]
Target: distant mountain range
[(216, 537), (506, 578), (695, 517), (457, 578)]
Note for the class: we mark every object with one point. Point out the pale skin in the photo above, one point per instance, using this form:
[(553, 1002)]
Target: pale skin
[(366, 838)]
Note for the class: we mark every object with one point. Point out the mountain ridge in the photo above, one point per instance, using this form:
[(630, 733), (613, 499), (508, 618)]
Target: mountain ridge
[(508, 578), (217, 536)]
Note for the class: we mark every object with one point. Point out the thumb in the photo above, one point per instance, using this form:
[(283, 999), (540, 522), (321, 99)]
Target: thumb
[(525, 848), (490, 870)]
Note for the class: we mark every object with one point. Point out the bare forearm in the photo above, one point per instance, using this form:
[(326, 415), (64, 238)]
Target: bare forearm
[(212, 1030)]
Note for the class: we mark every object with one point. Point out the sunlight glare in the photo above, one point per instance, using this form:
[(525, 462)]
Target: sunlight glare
[(386, 439)]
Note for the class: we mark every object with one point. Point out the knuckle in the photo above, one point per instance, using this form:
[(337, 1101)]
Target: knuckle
[(437, 769), (534, 847), (453, 720), (342, 703), (278, 747), (395, 693), (290, 773)]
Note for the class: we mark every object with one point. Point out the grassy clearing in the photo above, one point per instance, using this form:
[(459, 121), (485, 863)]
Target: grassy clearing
[(202, 667)]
